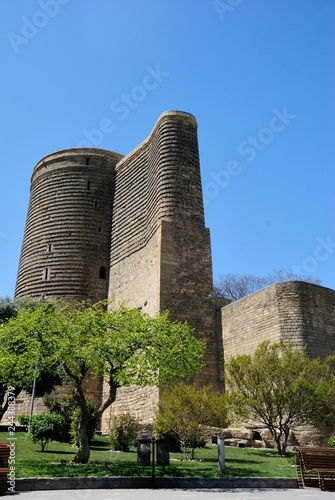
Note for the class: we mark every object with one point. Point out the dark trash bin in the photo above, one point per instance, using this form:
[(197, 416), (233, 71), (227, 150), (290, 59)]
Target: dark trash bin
[(163, 455), (143, 452)]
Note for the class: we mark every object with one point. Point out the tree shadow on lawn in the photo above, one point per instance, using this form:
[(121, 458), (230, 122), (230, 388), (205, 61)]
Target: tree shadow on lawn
[(55, 452), (97, 445)]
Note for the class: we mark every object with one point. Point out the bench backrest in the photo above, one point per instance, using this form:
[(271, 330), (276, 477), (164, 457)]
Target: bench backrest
[(317, 458)]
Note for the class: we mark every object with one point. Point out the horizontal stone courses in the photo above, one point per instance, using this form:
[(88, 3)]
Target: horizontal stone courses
[(157, 205)]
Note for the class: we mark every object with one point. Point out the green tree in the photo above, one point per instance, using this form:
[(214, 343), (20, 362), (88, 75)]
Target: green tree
[(184, 412), (7, 309), (282, 388), (124, 346), (10, 371)]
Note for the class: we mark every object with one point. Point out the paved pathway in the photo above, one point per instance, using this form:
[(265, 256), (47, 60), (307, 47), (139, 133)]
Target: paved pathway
[(141, 494)]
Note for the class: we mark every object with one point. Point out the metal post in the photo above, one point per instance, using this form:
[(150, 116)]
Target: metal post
[(32, 399), (221, 461), (153, 459)]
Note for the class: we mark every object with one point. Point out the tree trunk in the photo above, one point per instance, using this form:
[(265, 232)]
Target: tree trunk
[(83, 453), (284, 445), (277, 437)]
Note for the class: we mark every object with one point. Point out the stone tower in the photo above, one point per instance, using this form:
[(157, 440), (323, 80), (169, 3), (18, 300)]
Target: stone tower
[(65, 250), (129, 228)]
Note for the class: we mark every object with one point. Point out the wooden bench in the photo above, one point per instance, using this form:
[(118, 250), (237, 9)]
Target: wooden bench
[(4, 469), (316, 468)]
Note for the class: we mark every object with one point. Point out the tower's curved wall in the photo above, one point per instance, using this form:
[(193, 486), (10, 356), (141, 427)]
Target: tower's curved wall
[(66, 243), (159, 180)]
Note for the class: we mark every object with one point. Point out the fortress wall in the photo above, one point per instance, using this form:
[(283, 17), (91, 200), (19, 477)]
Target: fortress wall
[(140, 402), (307, 316), (298, 312), (249, 321), (67, 234)]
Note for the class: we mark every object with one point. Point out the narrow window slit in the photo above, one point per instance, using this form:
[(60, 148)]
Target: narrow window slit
[(102, 273)]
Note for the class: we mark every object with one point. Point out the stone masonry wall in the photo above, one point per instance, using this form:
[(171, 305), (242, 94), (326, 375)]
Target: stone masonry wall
[(249, 321), (307, 316), (298, 312), (136, 279), (186, 290)]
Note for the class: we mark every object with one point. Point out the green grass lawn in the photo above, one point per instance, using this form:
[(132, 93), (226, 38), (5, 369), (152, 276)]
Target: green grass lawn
[(56, 461)]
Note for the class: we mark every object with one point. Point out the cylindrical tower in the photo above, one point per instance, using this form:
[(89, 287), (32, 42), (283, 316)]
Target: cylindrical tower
[(66, 244)]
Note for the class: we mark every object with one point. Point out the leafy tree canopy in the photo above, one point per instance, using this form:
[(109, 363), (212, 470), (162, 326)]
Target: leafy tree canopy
[(125, 346), (7, 309), (11, 368), (281, 387)]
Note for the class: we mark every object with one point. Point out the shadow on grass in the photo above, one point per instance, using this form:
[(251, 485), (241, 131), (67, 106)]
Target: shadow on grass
[(55, 452), (97, 445)]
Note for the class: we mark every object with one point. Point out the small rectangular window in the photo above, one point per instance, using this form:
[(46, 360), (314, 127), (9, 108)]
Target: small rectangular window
[(87, 161), (88, 185), (102, 273)]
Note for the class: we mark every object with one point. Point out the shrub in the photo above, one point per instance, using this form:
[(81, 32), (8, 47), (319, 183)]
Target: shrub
[(46, 427), (123, 431), (331, 441), (24, 419), (185, 410), (63, 405)]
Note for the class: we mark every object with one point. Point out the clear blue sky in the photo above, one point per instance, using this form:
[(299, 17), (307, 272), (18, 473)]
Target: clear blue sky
[(257, 74)]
